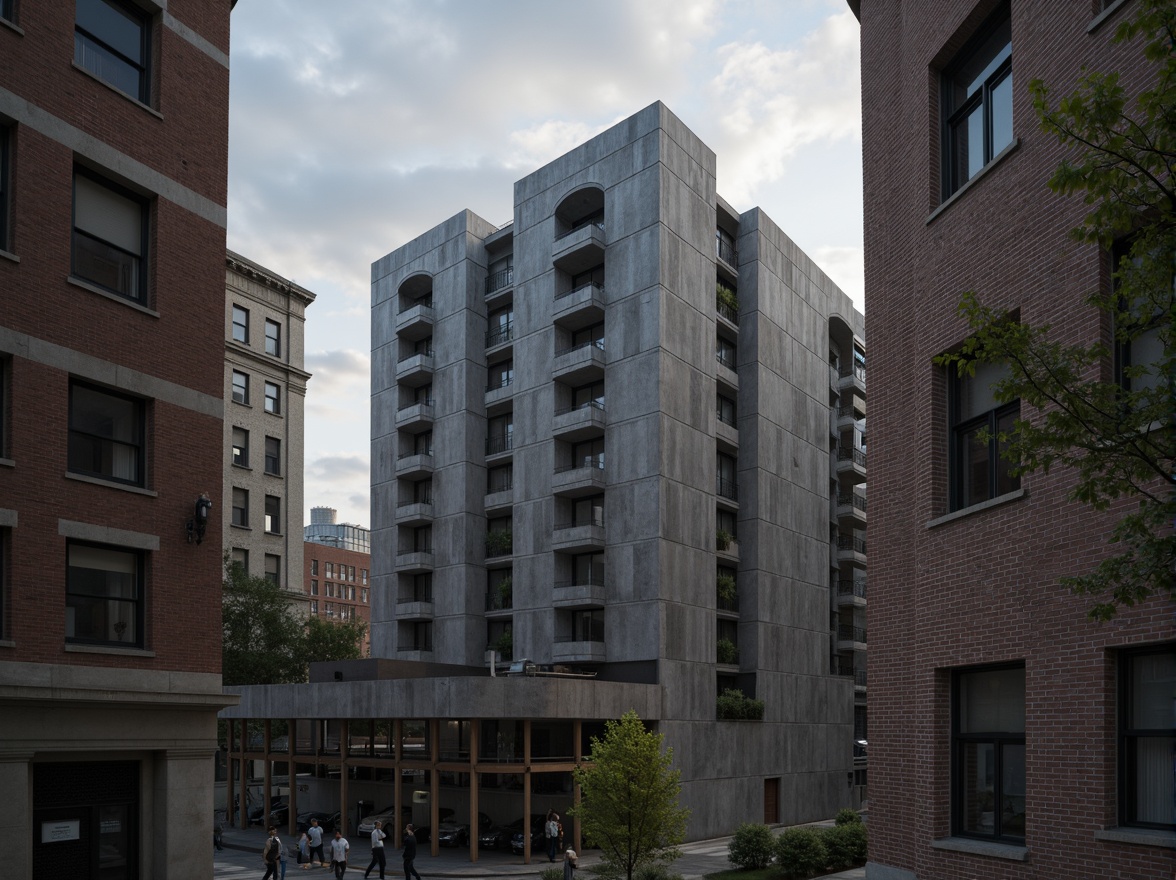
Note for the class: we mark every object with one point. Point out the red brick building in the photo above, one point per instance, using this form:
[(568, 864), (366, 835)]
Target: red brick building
[(113, 177), (338, 584), (1010, 737)]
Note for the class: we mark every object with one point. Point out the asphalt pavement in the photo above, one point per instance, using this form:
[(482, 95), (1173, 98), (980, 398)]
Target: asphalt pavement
[(241, 857)]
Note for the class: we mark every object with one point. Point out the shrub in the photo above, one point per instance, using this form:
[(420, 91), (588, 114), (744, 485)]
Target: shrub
[(734, 705), (655, 872), (846, 845), (801, 852), (723, 539), (753, 845), (847, 816), (551, 874), (725, 589), (498, 542), (726, 652)]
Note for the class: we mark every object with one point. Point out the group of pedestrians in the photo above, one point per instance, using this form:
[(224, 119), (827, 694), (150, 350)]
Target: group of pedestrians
[(310, 852)]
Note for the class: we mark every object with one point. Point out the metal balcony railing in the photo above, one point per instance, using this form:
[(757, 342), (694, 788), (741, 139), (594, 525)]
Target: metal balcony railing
[(496, 602), (850, 542), (599, 224), (727, 489), (857, 499), (502, 334), (590, 284), (427, 302), (504, 382), (577, 523), (428, 352), (413, 502), (422, 595), (414, 454), (588, 461), (415, 550), (502, 443), (727, 252), (852, 588), (428, 401), (849, 633), (727, 312), (594, 579), (499, 280), (598, 343), (844, 453), (588, 404), (499, 487)]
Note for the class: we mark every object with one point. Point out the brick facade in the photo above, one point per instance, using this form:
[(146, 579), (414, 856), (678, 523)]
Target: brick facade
[(981, 587)]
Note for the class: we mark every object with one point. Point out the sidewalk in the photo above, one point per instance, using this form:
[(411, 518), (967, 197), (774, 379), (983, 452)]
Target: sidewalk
[(699, 858)]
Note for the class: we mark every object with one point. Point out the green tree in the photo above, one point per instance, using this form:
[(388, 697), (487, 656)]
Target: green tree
[(629, 798), (263, 636), (333, 641), (1115, 431)]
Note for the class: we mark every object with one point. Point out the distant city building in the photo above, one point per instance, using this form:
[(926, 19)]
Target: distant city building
[(113, 175), (323, 529), (338, 584), (1010, 736), (617, 447), (265, 400)]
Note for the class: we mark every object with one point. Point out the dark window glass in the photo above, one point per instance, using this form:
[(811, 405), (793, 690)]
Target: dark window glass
[(240, 507), (422, 444), (1147, 737), (240, 447), (273, 514), (273, 566), (977, 103), (980, 470), (989, 747), (104, 596), (240, 325), (240, 387), (109, 236), (4, 139), (725, 410), (6, 9), (105, 434), (273, 455), (273, 399), (273, 338), (725, 352), (112, 41)]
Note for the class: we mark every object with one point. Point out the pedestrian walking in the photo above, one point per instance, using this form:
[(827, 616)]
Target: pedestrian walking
[(315, 835), (271, 854), (304, 850), (218, 831), (410, 842), (378, 836), (339, 850), (551, 832)]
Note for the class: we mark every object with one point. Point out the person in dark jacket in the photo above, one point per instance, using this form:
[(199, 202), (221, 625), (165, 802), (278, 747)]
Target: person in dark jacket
[(410, 853)]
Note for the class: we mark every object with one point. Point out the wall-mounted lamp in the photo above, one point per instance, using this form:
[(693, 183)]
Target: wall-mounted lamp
[(199, 521)]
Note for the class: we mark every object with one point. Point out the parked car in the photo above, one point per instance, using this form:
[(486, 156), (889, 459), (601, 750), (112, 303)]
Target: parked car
[(386, 817), (538, 839), (327, 821), (424, 833), (257, 811), (279, 816), (497, 836), (453, 834)]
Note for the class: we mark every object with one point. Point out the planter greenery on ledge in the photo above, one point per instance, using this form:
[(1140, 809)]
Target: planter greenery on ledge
[(734, 705), (498, 542), (725, 590), (727, 652), (723, 539)]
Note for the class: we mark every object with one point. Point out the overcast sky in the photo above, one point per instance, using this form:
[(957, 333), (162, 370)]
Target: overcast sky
[(356, 125)]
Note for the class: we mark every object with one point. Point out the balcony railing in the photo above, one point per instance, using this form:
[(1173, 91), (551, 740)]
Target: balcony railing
[(503, 334), (728, 253), (580, 637), (414, 551), (413, 502), (499, 487), (499, 280), (599, 343), (588, 461), (852, 588), (495, 601), (428, 352), (599, 290), (402, 456), (594, 579), (851, 542), (727, 489), (726, 358), (424, 594), (855, 498), (849, 633), (727, 418), (503, 443), (844, 453), (427, 302), (428, 401), (588, 404), (857, 370), (578, 523), (504, 382), (599, 224), (727, 312)]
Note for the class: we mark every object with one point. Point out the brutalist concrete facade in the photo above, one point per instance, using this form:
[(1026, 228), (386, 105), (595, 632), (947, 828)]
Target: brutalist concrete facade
[(548, 411)]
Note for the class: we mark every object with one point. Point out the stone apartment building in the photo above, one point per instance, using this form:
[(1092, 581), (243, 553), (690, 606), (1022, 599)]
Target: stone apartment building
[(265, 403), (1010, 736), (618, 442), (113, 177)]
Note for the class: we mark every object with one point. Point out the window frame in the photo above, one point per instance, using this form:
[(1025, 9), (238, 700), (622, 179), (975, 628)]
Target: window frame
[(136, 290), (139, 444), (142, 65), (1000, 740), (996, 72), (1129, 735), (241, 458), (959, 429), (137, 602), (273, 402), (240, 512), (240, 320), (273, 568), (5, 153), (242, 398), (273, 462), (273, 341), (273, 515)]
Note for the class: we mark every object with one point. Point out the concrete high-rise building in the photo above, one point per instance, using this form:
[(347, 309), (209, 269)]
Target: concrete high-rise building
[(609, 445), (265, 402), (1010, 736), (113, 177)]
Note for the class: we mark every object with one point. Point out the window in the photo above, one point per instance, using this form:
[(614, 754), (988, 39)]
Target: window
[(595, 275), (109, 236), (1147, 737), (273, 566), (314, 567), (240, 325), (422, 636), (725, 352), (363, 575), (422, 539), (589, 453), (5, 397), (314, 588), (273, 456), (588, 511), (500, 434), (588, 626), (588, 568), (979, 470), (273, 401), (989, 753), (977, 103), (351, 574), (240, 387), (725, 410), (363, 595), (6, 9), (588, 396), (500, 375), (314, 606), (1139, 354), (726, 483), (104, 595), (273, 514), (4, 138), (241, 507), (3, 582), (500, 479), (500, 327), (725, 522), (422, 444), (240, 556), (240, 447), (105, 434), (422, 587), (330, 570), (273, 338), (593, 335), (112, 40)]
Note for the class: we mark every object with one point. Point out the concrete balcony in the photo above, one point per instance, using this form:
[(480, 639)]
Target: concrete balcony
[(580, 364), (851, 549), (411, 609), (568, 651), (500, 283), (499, 394), (579, 422), (499, 498), (852, 506), (414, 464), (415, 369), (414, 561), (851, 638), (725, 373), (576, 594), (578, 537), (851, 593), (579, 478), (852, 380), (851, 463), (415, 321), (579, 249), (415, 417), (414, 513), (848, 414), (580, 307), (729, 553), (727, 434)]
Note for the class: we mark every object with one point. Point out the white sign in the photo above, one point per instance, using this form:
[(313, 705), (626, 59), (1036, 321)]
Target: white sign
[(54, 832)]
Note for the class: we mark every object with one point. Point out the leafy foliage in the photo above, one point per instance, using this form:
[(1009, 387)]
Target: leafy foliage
[(734, 705), (726, 652), (629, 798), (1115, 432), (846, 845), (847, 816), (801, 852), (752, 846), (325, 640)]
